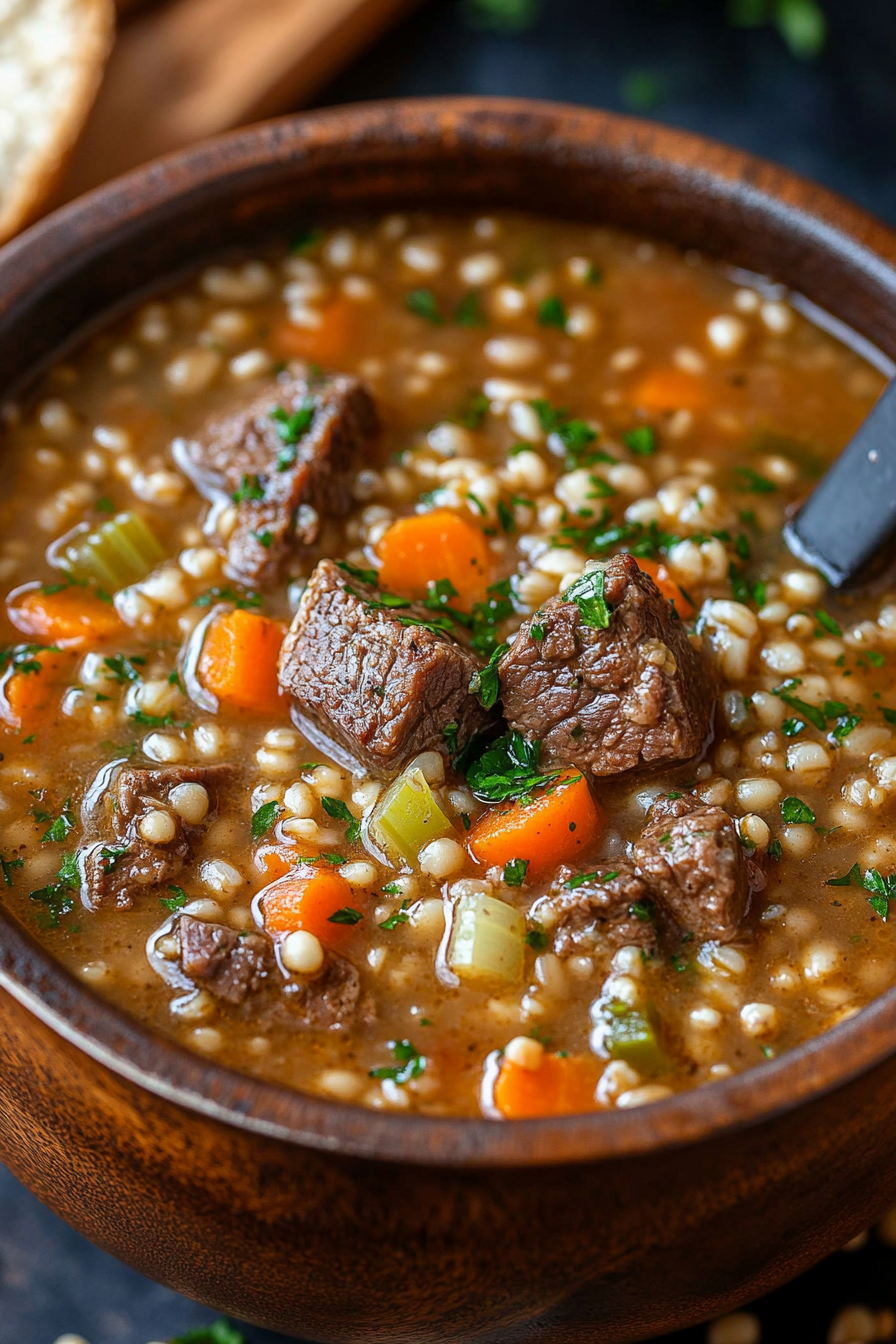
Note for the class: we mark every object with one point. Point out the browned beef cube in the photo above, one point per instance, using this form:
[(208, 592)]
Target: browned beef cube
[(120, 861), (228, 964), (613, 903), (283, 489), (608, 700), (692, 859), (375, 680), (328, 1001)]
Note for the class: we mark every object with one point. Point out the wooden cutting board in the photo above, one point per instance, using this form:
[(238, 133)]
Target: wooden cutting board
[(187, 69)]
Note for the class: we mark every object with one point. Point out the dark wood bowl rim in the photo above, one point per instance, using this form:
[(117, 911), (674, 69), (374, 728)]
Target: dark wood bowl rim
[(80, 1016)]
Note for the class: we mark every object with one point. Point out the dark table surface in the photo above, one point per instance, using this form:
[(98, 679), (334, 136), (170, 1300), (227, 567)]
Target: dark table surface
[(677, 60)]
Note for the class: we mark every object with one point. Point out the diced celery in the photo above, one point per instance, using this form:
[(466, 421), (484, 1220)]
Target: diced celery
[(487, 942), (630, 1036), (408, 817), (115, 554)]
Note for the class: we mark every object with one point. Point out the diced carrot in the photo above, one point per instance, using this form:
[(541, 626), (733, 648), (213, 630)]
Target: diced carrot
[(305, 899), (276, 861), (556, 827), (561, 1085), (238, 662), (670, 390), (668, 587), (72, 618), (419, 550), (26, 695), (326, 344)]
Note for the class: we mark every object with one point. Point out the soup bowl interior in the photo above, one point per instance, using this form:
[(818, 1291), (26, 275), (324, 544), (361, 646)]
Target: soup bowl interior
[(65, 277)]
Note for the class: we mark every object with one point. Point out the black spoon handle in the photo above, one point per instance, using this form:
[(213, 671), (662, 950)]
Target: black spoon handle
[(849, 521)]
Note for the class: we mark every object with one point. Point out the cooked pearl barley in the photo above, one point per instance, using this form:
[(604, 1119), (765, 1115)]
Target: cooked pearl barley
[(238, 284), (450, 440), (726, 960), (525, 1052), (157, 827), (302, 953), (166, 587), (207, 1039), (808, 758), (582, 322), (510, 300), (643, 1096), (741, 1327), (726, 334), (617, 1078), (480, 268), (432, 764), (220, 876), (422, 255), (209, 740), (341, 1083), (802, 585), (754, 830), (559, 562), (200, 562), (191, 802), (327, 780), (759, 1020), (192, 371), (159, 487), (340, 249), (705, 1019), (513, 352), (526, 471), (784, 656), (778, 317), (164, 748), (441, 858), (300, 800), (250, 364), (205, 909), (821, 960), (523, 420), (278, 764), (360, 874)]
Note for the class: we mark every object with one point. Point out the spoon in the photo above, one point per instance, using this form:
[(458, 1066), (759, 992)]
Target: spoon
[(849, 520)]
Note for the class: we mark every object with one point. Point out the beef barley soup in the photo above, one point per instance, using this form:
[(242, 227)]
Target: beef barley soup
[(407, 695)]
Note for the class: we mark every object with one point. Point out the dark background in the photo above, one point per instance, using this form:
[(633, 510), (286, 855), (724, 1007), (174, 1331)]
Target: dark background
[(831, 117)]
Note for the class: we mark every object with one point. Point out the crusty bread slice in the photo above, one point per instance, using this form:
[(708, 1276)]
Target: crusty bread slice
[(52, 54)]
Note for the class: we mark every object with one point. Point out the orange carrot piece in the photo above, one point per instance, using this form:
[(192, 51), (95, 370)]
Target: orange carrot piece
[(275, 861), (238, 663), (417, 551), (670, 390), (668, 587), (556, 827), (72, 618), (326, 344), (25, 697), (305, 899), (561, 1085)]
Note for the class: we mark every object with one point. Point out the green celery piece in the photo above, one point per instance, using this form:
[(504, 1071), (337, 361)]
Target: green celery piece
[(115, 554), (487, 944), (408, 817), (631, 1037)]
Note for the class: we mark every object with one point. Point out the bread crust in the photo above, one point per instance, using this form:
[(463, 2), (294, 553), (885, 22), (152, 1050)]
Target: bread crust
[(31, 167)]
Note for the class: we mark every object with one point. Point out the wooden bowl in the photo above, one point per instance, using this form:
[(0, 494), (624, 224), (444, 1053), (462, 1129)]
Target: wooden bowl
[(336, 1223)]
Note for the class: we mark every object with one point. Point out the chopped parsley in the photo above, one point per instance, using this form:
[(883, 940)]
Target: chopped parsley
[(508, 769), (251, 488), (468, 312), (486, 684), (882, 889), (8, 867), (515, 872), (409, 1064), (537, 939), (748, 481), (642, 910), (247, 601), (450, 732), (124, 670), (156, 720), (60, 827), (264, 538), (797, 813), (552, 313), (489, 615), (423, 303), (264, 818), (775, 849), (339, 811), (588, 595), (220, 1331), (177, 900), (347, 915), (23, 657), (828, 625), (57, 898), (307, 236), (290, 428), (641, 440), (363, 575), (472, 410), (577, 436), (537, 632), (400, 916)]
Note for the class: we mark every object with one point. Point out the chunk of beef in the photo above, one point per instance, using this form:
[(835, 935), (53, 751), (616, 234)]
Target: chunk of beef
[(240, 969), (121, 861), (614, 903), (228, 964), (609, 700), (374, 679), (283, 489), (691, 857)]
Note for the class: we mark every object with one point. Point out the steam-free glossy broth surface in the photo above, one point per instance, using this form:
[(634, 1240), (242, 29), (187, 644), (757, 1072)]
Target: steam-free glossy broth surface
[(561, 393)]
